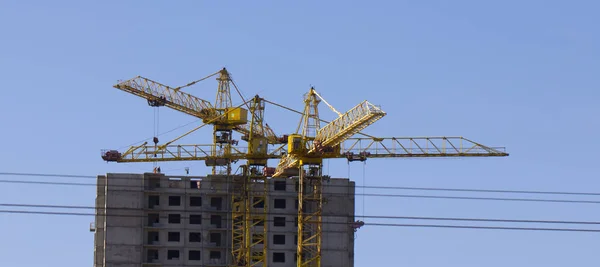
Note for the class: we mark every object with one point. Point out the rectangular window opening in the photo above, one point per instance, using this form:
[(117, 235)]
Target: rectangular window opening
[(279, 239), (152, 255), (278, 257), (195, 201), (174, 201), (194, 255), (153, 219), (195, 237), (216, 202), (216, 220), (279, 185), (172, 254), (215, 238), (174, 236), (196, 219), (175, 218), (215, 255), (195, 183), (280, 203), (152, 237), (279, 221)]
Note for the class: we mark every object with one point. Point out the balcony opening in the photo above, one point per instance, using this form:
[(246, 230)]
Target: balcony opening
[(152, 255), (152, 238), (215, 255), (153, 219), (153, 201), (215, 238)]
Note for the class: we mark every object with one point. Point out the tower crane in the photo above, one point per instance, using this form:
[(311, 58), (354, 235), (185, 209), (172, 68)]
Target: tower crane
[(300, 156)]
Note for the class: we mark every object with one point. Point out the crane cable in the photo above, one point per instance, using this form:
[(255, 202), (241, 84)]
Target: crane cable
[(155, 134), (363, 189)]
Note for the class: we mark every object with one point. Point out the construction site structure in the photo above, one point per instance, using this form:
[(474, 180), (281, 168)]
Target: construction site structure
[(300, 156), (153, 219)]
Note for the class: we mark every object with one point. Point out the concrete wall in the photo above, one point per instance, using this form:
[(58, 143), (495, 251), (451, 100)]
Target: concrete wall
[(338, 214), (99, 222), (124, 216)]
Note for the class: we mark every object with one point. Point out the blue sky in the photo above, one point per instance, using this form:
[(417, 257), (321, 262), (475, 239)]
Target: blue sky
[(504, 73)]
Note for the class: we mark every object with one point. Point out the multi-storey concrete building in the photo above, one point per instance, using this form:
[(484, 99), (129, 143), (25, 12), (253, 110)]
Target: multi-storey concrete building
[(156, 220)]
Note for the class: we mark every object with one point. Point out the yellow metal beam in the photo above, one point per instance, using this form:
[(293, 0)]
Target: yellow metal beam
[(189, 153), (395, 147)]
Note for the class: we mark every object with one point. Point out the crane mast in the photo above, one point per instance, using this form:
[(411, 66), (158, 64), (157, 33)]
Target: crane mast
[(300, 156), (249, 233)]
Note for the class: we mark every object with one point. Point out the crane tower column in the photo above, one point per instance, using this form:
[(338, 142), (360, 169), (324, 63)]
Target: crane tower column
[(310, 210)]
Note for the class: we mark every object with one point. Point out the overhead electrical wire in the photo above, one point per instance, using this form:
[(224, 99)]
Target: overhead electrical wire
[(360, 216), (295, 213), (356, 186), (139, 188), (338, 223)]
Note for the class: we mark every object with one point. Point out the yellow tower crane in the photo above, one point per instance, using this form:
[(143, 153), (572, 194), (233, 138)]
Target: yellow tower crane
[(300, 155), (219, 155)]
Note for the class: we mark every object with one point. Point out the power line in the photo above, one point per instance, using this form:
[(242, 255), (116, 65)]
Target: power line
[(356, 186), (291, 214), (349, 223), (140, 188)]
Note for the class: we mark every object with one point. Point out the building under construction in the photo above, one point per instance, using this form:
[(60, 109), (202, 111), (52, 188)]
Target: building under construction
[(240, 208), (158, 220)]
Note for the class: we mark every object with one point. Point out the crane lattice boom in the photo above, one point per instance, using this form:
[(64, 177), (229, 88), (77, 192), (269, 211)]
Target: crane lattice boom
[(175, 99), (352, 149), (335, 132), (348, 124)]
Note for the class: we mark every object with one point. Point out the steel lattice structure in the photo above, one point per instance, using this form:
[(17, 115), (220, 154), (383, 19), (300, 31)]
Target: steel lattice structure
[(300, 155)]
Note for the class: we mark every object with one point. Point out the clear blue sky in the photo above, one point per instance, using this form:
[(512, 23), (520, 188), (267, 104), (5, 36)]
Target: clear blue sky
[(511, 73)]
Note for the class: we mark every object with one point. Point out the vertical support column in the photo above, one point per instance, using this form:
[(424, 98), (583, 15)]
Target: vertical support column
[(238, 218), (310, 209), (257, 222)]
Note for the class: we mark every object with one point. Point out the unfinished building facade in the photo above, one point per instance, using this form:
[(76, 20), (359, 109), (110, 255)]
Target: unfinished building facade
[(158, 220)]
